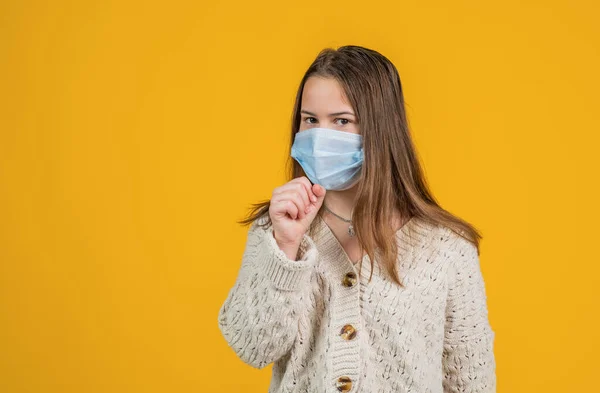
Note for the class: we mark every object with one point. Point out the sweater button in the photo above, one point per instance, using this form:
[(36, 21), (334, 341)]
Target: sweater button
[(349, 279), (348, 332), (344, 384)]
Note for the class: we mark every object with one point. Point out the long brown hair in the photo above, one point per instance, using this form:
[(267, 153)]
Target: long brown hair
[(393, 179)]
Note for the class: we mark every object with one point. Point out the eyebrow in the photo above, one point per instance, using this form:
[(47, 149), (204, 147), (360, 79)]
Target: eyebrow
[(331, 114)]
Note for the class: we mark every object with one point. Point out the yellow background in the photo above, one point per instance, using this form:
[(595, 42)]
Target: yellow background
[(134, 134)]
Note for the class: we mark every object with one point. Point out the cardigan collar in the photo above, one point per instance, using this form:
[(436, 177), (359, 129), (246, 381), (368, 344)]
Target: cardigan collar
[(408, 237)]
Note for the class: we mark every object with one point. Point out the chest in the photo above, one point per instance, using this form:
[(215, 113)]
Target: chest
[(383, 304)]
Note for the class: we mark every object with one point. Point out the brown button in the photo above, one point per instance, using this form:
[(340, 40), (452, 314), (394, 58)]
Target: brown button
[(348, 332), (349, 279), (344, 384)]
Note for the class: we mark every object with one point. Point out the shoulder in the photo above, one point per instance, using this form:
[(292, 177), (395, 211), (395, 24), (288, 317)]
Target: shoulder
[(454, 242), (442, 238), (439, 236), (462, 258)]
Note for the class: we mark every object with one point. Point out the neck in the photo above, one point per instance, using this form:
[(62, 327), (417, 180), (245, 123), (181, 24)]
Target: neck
[(341, 202)]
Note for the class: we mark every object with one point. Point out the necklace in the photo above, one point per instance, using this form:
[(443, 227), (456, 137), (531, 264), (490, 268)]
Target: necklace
[(350, 228)]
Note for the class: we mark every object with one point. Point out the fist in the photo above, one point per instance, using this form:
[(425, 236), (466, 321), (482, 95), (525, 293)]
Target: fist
[(293, 207)]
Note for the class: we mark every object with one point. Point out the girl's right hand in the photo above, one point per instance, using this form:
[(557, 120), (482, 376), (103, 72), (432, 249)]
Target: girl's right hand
[(293, 207)]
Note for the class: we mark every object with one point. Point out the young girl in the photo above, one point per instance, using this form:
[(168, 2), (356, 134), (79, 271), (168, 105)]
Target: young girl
[(353, 278)]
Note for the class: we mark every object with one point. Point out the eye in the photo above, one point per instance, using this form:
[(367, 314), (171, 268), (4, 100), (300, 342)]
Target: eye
[(346, 121), (307, 118)]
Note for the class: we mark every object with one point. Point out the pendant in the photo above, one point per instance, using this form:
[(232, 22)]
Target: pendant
[(351, 230)]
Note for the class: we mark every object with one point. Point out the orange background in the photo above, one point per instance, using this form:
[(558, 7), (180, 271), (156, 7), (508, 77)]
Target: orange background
[(133, 135)]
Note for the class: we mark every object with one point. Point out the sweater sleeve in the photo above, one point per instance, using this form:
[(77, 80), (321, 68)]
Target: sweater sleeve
[(468, 360), (259, 318)]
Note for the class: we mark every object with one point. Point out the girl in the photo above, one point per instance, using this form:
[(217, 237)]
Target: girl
[(353, 278)]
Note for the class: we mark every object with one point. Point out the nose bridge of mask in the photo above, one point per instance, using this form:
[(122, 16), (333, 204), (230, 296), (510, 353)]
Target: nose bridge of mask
[(327, 146), (322, 141), (330, 133)]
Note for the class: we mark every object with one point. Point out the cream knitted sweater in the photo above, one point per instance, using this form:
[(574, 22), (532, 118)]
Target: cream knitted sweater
[(327, 330)]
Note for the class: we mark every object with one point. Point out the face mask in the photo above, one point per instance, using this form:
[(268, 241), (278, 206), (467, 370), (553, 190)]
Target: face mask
[(330, 158)]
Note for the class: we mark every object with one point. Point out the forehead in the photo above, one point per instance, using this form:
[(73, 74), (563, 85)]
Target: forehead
[(323, 94)]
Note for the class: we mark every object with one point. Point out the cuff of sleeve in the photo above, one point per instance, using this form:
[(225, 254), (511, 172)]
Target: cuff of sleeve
[(285, 273)]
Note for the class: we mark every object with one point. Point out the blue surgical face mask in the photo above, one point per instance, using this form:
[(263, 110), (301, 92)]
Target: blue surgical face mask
[(330, 158)]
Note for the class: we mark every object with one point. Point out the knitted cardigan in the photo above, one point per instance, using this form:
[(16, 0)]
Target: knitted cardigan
[(431, 336)]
